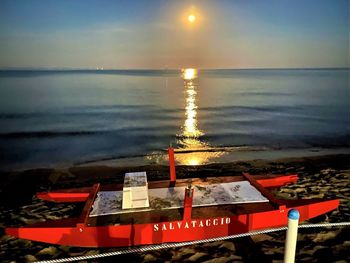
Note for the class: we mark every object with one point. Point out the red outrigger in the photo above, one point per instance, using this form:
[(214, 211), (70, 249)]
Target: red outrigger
[(185, 223)]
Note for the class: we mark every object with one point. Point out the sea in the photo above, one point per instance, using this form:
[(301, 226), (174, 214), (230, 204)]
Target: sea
[(52, 118)]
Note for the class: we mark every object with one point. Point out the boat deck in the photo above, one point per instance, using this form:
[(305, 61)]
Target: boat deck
[(156, 216), (164, 214)]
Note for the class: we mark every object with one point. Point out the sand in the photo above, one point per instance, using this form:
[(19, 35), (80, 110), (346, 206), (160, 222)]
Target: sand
[(319, 177)]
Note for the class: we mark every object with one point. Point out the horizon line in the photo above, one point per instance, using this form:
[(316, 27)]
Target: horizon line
[(157, 69)]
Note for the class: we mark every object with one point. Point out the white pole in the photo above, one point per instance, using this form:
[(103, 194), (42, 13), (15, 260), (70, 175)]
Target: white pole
[(292, 234)]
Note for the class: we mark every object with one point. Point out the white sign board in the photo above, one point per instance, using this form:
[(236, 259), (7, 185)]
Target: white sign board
[(110, 202)]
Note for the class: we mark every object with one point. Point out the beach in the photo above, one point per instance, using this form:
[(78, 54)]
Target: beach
[(325, 177)]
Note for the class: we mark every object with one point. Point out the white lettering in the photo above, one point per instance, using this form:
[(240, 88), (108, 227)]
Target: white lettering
[(179, 224), (155, 227), (191, 224), (194, 223), (207, 222)]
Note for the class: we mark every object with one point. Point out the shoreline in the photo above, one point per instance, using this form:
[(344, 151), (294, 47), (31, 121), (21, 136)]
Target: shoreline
[(205, 156), (324, 176), (216, 155)]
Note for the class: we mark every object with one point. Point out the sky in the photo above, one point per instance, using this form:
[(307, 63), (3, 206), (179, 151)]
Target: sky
[(156, 34)]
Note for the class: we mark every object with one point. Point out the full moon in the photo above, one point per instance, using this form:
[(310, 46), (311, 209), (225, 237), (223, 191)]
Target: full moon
[(191, 18)]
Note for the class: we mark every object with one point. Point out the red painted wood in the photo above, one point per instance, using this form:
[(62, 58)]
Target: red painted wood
[(188, 200), (81, 194), (89, 202), (278, 181), (153, 233), (63, 197), (278, 203)]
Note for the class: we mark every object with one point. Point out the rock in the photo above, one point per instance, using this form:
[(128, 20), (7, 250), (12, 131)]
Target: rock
[(219, 260), (328, 171), (30, 258), (149, 258), (197, 256), (91, 253), (288, 191), (39, 209), (283, 195), (235, 258), (64, 248), (183, 253), (22, 243), (344, 190), (6, 238), (322, 237), (187, 251), (226, 245), (306, 259), (212, 244), (177, 256), (316, 176), (316, 196), (300, 190), (261, 238), (51, 251), (50, 217), (27, 221)]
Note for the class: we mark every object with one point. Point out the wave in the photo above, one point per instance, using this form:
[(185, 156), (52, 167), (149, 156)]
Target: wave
[(130, 131), (107, 110), (134, 72)]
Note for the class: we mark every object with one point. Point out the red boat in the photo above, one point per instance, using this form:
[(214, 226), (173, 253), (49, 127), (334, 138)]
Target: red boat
[(209, 207)]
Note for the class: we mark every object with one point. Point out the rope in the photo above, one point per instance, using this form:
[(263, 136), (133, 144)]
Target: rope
[(187, 243)]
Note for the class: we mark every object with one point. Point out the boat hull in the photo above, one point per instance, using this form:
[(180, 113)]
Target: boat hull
[(72, 233)]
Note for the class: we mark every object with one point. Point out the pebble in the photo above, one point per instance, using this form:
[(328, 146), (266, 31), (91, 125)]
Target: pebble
[(287, 190), (48, 251), (177, 256), (22, 243), (261, 238), (223, 259), (227, 246), (283, 195), (92, 252), (197, 256), (30, 258), (187, 251), (322, 237), (149, 258), (212, 244)]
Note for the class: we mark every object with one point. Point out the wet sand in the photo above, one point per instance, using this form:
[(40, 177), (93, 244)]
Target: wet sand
[(319, 177)]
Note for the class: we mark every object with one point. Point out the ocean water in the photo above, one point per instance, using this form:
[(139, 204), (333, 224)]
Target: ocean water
[(50, 118)]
